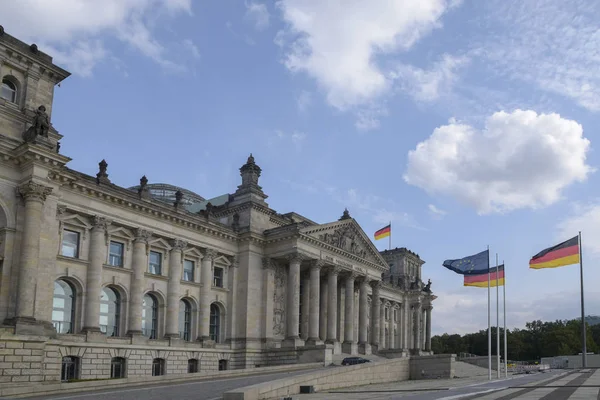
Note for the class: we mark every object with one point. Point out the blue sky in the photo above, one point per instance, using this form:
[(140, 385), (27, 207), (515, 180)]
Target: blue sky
[(465, 123)]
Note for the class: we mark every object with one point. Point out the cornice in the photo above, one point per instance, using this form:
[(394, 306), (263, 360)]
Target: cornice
[(120, 197)]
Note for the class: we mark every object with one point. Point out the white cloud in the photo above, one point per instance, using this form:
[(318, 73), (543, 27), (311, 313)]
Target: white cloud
[(436, 212), (429, 85), (280, 137), (552, 44), (72, 30), (304, 101), (337, 43), (585, 218), (519, 160), (368, 118), (258, 14)]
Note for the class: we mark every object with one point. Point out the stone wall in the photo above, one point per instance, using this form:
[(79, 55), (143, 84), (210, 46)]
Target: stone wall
[(439, 366), (481, 361)]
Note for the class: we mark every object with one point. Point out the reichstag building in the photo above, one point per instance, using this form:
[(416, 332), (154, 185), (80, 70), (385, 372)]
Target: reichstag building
[(101, 281)]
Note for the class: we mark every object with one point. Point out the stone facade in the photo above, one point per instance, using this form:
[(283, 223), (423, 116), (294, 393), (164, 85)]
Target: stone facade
[(100, 281)]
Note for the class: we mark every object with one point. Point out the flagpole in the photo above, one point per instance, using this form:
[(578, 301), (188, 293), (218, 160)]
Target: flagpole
[(497, 322), (583, 328), (489, 323), (390, 246), (504, 308)]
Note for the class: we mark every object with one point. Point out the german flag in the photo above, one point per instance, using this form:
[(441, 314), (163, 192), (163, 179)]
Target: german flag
[(481, 280), (565, 253), (383, 232)]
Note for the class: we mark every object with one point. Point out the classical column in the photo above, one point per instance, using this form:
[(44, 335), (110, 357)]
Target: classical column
[(305, 307), (362, 312), (207, 261), (349, 346), (269, 289), (381, 324), (417, 327), (315, 291), (139, 265), (390, 338), (34, 195), (323, 311), (233, 279), (293, 297), (332, 278), (406, 326), (93, 284), (375, 320), (428, 330), (175, 260)]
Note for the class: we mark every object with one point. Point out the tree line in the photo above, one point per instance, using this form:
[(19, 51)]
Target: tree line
[(538, 339)]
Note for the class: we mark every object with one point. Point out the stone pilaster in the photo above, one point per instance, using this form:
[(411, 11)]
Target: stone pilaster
[(332, 300), (349, 345), (93, 285), (175, 260), (390, 338), (315, 291), (293, 301), (428, 329), (138, 280), (206, 271), (305, 306), (375, 320), (34, 196), (233, 276), (323, 297), (364, 347), (382, 324), (406, 326), (417, 328), (268, 290)]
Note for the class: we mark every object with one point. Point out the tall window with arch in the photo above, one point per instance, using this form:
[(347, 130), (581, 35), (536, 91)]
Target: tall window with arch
[(149, 316), (8, 91), (185, 319), (215, 323), (63, 307), (110, 311)]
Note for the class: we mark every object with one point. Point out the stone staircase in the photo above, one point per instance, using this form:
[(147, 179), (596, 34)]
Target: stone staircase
[(466, 370)]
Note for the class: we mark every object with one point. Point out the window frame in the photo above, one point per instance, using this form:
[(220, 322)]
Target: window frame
[(193, 366), (221, 278), (72, 314), (10, 81), (111, 255), (193, 271), (158, 366), (186, 334), (77, 244), (154, 320), (72, 363), (160, 262), (121, 362), (117, 314), (215, 323)]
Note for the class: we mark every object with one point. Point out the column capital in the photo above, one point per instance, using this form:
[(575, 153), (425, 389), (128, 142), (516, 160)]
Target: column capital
[(178, 245), (235, 262), (142, 235), (351, 275), (100, 222), (296, 257), (376, 285), (34, 191), (334, 270), (210, 254), (362, 280), (268, 263)]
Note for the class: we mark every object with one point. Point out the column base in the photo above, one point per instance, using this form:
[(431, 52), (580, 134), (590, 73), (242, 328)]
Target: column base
[(292, 343), (313, 342), (374, 348), (337, 346), (87, 329), (364, 348), (349, 348)]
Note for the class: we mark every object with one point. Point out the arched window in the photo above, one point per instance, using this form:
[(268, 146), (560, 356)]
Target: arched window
[(63, 307), (110, 310), (192, 365), (149, 316), (70, 368), (117, 367), (215, 323), (158, 366), (9, 90), (185, 320)]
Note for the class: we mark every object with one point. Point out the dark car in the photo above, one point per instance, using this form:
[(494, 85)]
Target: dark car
[(354, 360)]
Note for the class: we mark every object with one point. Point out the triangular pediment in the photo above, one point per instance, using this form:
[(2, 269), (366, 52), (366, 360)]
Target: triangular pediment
[(346, 235)]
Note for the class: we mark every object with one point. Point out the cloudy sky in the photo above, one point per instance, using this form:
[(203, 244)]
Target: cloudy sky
[(466, 123)]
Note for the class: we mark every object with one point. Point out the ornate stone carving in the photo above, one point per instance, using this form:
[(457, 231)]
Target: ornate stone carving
[(375, 284), (250, 172), (318, 264), (235, 262), (39, 127), (279, 296), (235, 224), (427, 288), (178, 198), (210, 254), (345, 239), (60, 211), (345, 215), (34, 191), (268, 263), (142, 235), (99, 222), (102, 176), (296, 257), (144, 191), (178, 244), (57, 147)]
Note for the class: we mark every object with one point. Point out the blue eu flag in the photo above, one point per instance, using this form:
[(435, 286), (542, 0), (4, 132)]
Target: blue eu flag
[(471, 265)]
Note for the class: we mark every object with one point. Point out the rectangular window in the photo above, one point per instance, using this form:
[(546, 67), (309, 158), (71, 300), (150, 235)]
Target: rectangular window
[(188, 270), (218, 277), (115, 257), (70, 244), (155, 263)]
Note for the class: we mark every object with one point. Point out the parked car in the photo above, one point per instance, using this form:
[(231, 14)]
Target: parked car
[(354, 360)]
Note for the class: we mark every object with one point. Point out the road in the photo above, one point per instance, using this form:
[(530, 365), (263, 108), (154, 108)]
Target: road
[(200, 390), (554, 385)]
